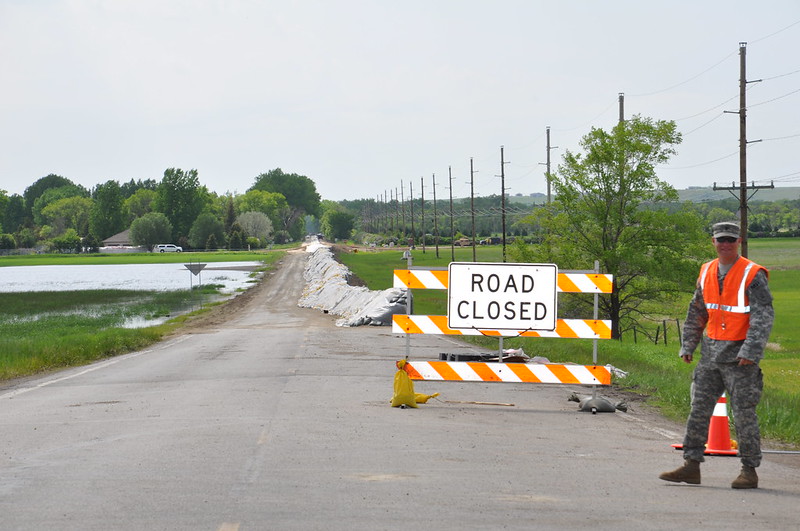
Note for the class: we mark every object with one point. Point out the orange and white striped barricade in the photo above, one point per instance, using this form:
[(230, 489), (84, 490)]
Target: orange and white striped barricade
[(476, 371), (567, 282)]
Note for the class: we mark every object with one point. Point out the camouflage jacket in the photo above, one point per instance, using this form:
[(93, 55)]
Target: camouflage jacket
[(752, 348)]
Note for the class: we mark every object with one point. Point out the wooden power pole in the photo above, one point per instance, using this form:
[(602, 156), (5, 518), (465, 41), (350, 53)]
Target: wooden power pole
[(742, 112)]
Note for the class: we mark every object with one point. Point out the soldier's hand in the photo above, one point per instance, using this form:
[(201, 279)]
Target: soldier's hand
[(687, 358), (743, 361)]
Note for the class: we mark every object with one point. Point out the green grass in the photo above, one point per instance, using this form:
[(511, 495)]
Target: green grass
[(46, 330), (41, 331), (137, 258), (655, 371)]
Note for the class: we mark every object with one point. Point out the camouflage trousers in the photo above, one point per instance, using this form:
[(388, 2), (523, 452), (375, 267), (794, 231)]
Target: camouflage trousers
[(744, 385)]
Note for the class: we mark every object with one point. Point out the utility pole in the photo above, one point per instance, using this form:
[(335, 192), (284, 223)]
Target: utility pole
[(396, 219), (621, 107), (411, 202), (547, 164), (422, 227), (502, 200), (472, 206), (452, 230), (435, 220), (742, 112), (403, 208)]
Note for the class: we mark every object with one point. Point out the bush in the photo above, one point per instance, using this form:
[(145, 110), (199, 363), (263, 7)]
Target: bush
[(7, 241)]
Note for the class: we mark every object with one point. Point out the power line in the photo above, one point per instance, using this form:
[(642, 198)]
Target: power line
[(684, 82), (775, 33), (775, 99), (729, 155)]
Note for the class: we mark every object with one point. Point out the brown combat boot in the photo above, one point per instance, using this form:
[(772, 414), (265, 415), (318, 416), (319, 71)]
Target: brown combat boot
[(748, 479), (688, 473)]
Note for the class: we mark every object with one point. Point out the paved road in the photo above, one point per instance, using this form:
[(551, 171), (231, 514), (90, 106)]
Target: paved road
[(278, 419)]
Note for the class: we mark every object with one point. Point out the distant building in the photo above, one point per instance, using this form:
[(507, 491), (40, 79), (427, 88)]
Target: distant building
[(122, 239)]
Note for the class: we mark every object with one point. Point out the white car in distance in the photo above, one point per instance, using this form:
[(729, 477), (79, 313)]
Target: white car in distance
[(167, 248)]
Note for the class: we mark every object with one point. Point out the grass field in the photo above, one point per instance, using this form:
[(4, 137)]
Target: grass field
[(654, 370), (42, 331), (133, 258)]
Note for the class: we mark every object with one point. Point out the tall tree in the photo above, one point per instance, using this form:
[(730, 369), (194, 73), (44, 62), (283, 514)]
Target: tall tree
[(139, 203), (14, 215), (181, 198), (151, 229), (205, 226), (599, 214), (51, 195), (32, 193), (107, 216), (300, 193), (230, 213), (131, 187), (68, 213), (256, 225), (337, 224), (269, 203)]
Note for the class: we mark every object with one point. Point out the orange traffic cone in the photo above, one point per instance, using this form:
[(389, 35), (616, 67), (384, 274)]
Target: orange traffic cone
[(719, 433)]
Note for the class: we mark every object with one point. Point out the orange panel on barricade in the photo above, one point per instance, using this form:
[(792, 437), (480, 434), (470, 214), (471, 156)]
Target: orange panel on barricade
[(565, 328), (439, 279), (474, 371)]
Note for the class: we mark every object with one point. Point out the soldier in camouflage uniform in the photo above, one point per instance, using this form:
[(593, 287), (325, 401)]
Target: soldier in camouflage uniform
[(736, 315)]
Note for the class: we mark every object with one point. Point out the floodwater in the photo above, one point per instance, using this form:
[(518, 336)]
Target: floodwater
[(143, 277)]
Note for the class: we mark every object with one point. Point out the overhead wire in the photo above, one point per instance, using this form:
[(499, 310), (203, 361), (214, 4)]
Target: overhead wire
[(489, 179)]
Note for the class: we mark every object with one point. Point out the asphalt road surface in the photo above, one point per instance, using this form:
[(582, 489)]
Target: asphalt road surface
[(274, 418)]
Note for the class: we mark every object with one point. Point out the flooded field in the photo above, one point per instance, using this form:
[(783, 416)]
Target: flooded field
[(146, 277)]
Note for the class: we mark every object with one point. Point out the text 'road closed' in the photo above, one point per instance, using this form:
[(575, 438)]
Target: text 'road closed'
[(502, 296)]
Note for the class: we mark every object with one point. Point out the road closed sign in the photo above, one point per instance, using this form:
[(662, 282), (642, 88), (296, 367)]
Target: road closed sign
[(500, 296)]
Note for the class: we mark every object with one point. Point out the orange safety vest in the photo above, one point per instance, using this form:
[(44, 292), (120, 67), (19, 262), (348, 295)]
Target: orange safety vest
[(729, 311)]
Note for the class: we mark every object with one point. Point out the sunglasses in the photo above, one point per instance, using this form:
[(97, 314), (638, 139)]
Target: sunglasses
[(726, 239)]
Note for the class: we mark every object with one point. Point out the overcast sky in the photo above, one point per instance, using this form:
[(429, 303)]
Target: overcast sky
[(360, 95)]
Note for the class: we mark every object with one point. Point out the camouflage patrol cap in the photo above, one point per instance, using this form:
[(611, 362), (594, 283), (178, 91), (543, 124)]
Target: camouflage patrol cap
[(726, 228)]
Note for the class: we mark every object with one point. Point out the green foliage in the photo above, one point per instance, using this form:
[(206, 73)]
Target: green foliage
[(256, 225), (68, 213), (599, 214), (34, 191), (337, 225), (181, 198), (91, 244), (150, 230), (211, 243), (69, 242), (107, 216), (271, 204), (300, 191), (139, 203), (236, 237), (301, 196), (230, 213), (7, 241), (205, 226), (13, 215), (54, 198)]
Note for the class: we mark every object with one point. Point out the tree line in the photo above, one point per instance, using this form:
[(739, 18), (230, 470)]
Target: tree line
[(55, 214)]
